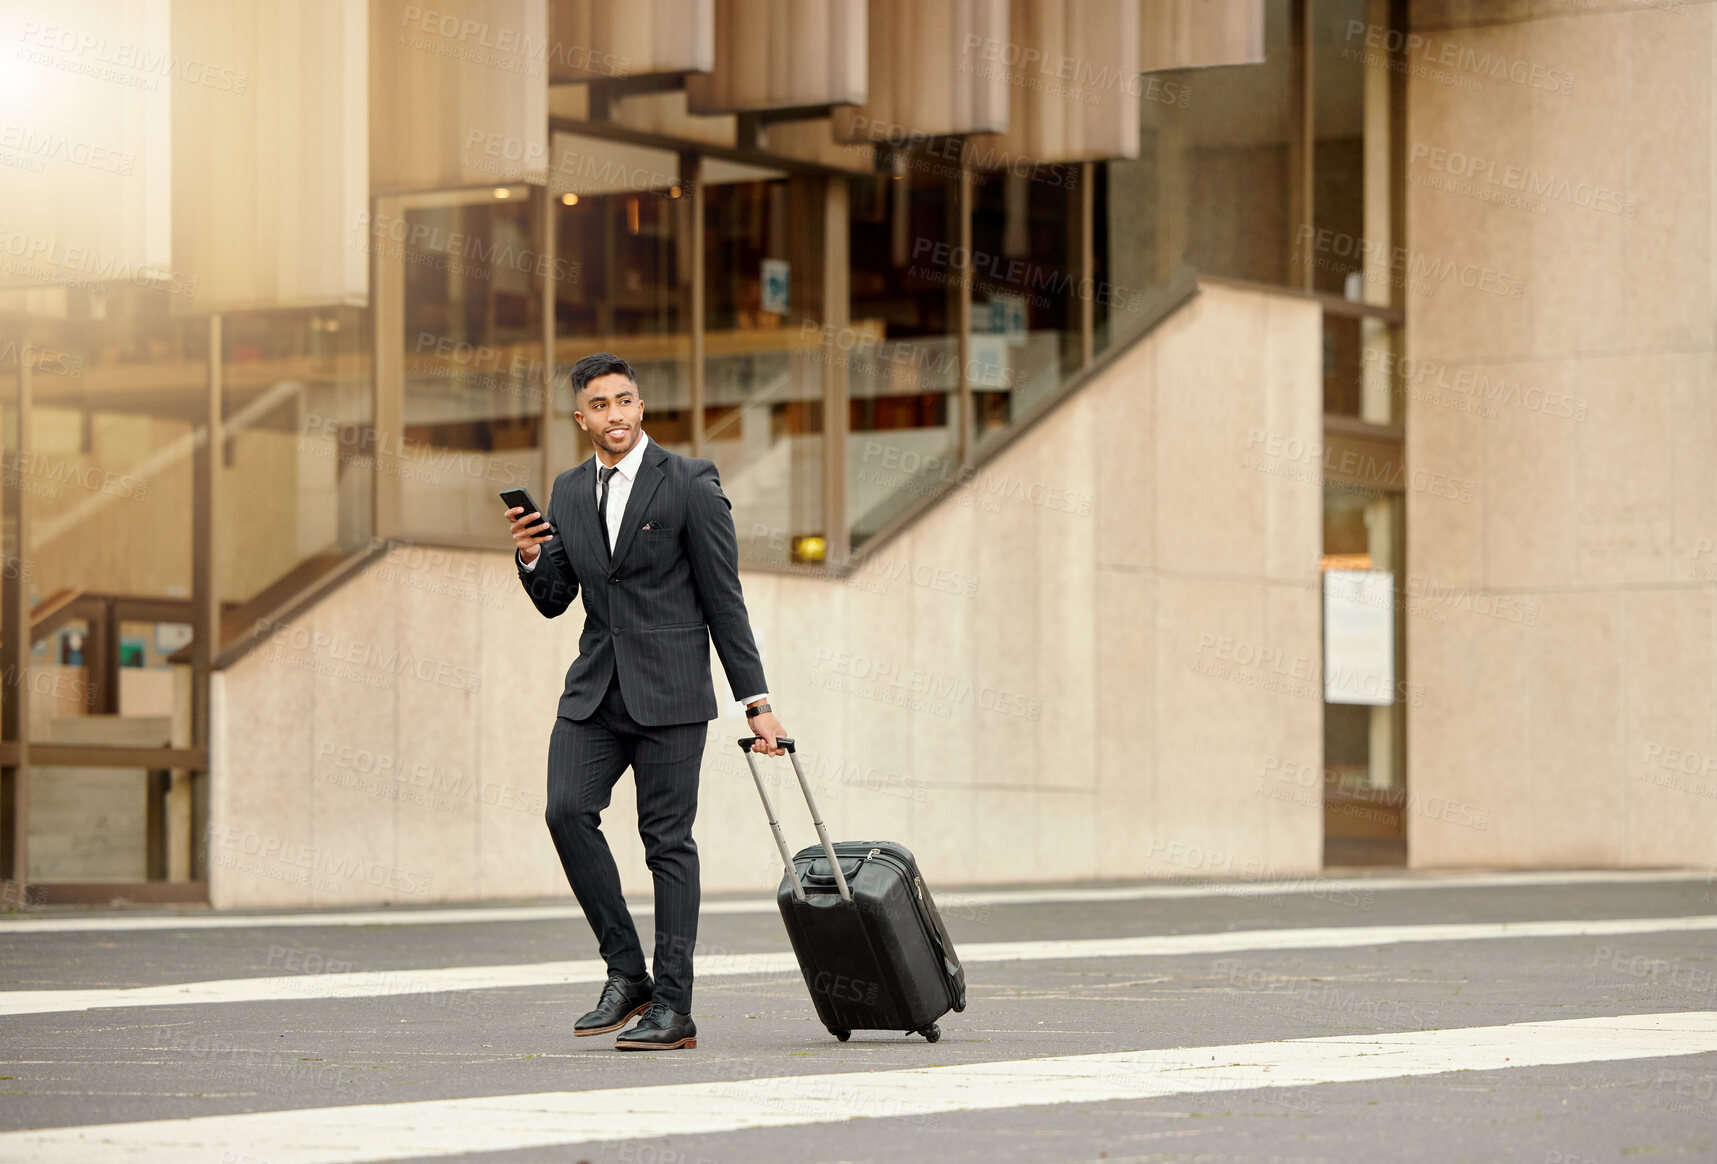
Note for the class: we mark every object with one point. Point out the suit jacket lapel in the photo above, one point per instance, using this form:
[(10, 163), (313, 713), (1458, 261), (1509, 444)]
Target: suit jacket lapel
[(583, 502), (644, 488)]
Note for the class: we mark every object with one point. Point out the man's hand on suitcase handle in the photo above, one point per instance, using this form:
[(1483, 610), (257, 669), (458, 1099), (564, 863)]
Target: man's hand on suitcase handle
[(768, 731), (746, 742), (764, 726)]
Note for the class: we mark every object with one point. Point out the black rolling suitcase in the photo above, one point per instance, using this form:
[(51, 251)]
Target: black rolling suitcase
[(870, 943)]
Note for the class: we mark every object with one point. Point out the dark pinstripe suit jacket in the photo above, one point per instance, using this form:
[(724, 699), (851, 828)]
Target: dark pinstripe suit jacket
[(654, 608)]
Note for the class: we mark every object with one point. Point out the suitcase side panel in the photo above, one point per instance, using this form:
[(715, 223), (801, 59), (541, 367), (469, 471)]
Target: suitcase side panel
[(875, 968), (849, 986), (954, 971), (887, 902), (813, 867)]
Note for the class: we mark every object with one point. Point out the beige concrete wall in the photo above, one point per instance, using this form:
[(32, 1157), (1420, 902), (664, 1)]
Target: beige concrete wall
[(1568, 652), (1054, 674)]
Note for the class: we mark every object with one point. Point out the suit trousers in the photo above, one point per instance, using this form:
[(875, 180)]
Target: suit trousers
[(585, 758)]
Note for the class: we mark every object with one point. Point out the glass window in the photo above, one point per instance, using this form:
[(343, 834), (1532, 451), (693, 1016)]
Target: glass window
[(1354, 215), (763, 397), (1212, 187), (1364, 745), (1352, 177), (622, 281), (473, 361), (88, 824), (902, 350), (1026, 283), (296, 467), (105, 472), (116, 380), (1361, 368)]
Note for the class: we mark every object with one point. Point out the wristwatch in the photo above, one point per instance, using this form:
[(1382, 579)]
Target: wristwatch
[(756, 710)]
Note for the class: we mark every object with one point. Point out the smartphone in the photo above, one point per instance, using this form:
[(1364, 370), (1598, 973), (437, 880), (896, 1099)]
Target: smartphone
[(514, 498)]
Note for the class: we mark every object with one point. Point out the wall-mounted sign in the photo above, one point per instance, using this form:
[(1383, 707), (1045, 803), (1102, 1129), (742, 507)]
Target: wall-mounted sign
[(775, 274), (1007, 317), (1359, 637), (987, 363), (170, 636)]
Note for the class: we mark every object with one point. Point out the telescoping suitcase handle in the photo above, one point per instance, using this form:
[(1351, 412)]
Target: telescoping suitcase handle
[(775, 825)]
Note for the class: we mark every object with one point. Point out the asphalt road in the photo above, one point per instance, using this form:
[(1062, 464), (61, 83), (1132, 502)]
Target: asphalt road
[(1412, 1020)]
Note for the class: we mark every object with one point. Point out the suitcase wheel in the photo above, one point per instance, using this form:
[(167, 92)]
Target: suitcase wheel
[(931, 1033), (841, 1033)]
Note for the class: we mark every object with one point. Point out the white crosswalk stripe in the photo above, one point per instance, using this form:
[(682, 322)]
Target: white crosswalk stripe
[(376, 984), (1331, 888), (373, 1132)]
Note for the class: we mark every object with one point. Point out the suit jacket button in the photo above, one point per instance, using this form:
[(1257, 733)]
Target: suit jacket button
[(614, 579)]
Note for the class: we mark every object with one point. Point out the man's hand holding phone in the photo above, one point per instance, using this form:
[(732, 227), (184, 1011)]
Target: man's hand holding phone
[(525, 533), (523, 513)]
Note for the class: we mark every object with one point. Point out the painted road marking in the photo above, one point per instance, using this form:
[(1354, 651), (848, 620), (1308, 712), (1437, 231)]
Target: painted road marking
[(391, 1131), (384, 983), (977, 899)]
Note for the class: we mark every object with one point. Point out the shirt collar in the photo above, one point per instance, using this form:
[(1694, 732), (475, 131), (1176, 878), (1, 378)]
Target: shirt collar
[(628, 465)]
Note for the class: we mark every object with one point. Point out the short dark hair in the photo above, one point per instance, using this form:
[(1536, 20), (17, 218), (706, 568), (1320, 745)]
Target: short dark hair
[(599, 364)]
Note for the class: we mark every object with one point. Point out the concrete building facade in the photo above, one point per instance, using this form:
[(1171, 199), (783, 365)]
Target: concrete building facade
[(1282, 439)]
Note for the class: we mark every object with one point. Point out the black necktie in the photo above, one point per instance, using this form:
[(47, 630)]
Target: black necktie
[(604, 472)]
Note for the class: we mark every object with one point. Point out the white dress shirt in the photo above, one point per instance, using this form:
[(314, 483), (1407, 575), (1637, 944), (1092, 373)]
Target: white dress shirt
[(619, 490)]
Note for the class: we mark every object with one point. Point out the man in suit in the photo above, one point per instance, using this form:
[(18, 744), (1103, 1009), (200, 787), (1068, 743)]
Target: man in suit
[(650, 536)]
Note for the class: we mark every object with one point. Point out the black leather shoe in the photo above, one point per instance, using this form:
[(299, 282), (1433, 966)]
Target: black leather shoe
[(659, 1030), (621, 1002)]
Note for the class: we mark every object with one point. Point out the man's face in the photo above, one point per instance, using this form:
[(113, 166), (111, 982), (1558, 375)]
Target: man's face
[(612, 413)]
